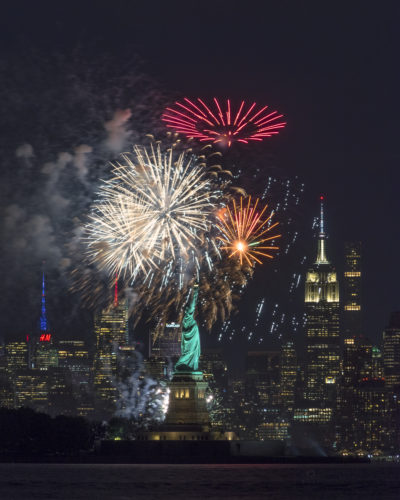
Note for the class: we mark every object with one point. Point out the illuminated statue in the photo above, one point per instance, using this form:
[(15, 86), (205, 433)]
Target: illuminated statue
[(190, 343)]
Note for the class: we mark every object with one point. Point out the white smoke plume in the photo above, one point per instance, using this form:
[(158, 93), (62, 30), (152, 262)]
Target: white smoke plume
[(81, 161), (117, 133), (24, 151), (140, 396)]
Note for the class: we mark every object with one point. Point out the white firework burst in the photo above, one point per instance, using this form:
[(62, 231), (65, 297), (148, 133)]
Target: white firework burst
[(154, 211)]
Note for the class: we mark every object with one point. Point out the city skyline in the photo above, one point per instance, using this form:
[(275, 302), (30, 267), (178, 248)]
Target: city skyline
[(327, 390)]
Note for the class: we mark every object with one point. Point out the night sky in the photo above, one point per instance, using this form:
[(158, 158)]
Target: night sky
[(331, 67)]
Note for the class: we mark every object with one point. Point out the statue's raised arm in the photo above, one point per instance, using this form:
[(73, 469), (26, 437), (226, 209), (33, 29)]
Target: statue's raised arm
[(190, 343)]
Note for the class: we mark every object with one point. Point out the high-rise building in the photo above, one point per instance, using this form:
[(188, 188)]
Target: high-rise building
[(314, 416), (366, 406), (42, 351), (46, 353), (17, 357), (111, 332), (164, 350), (165, 341), (322, 326), (60, 392), (73, 357), (377, 363), (215, 371), (213, 365), (31, 389), (277, 430), (372, 416), (351, 290), (158, 368), (6, 388), (357, 367), (288, 377), (262, 377), (357, 360), (262, 392), (391, 351)]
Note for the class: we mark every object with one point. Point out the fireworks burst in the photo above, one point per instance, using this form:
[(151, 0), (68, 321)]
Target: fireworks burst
[(160, 291), (244, 232), (152, 213), (213, 124)]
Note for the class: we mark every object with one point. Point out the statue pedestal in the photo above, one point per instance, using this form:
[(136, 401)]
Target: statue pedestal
[(187, 403), (187, 416)]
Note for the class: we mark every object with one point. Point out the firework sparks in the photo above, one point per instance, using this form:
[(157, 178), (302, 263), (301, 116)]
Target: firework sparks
[(160, 289), (154, 210), (244, 232), (212, 123)]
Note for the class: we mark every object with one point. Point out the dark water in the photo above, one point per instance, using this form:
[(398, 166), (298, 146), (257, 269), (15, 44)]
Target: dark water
[(123, 482)]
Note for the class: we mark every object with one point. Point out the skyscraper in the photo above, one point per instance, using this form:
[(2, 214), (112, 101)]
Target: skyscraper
[(73, 358), (165, 341), (262, 377), (351, 298), (371, 415), (31, 389), (17, 357), (391, 351), (111, 332), (262, 393), (322, 327), (42, 352), (288, 377), (357, 367)]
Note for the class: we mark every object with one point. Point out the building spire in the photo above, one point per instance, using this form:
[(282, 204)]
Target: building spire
[(321, 222), (116, 291), (321, 256), (43, 315)]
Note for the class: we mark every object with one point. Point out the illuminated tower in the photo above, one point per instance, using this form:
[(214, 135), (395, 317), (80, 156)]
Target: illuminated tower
[(111, 331), (43, 353), (322, 328), (352, 290), (43, 315)]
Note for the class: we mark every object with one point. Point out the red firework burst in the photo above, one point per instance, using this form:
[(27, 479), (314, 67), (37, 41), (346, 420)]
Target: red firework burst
[(211, 123)]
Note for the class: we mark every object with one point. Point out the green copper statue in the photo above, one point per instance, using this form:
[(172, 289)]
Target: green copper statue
[(190, 343)]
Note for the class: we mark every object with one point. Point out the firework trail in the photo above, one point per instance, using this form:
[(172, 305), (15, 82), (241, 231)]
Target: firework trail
[(212, 123), (244, 232)]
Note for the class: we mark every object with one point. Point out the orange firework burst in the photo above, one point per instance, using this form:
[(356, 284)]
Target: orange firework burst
[(245, 231)]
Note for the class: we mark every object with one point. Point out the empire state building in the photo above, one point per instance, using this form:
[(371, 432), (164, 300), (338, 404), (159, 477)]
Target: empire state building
[(322, 327)]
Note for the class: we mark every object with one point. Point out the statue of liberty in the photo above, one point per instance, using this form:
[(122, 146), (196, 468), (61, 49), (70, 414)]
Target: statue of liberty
[(190, 343)]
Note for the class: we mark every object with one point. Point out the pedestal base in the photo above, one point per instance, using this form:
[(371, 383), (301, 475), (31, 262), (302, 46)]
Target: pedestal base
[(187, 401), (187, 416)]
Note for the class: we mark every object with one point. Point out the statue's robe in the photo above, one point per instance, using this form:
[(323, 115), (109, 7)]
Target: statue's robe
[(190, 343)]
